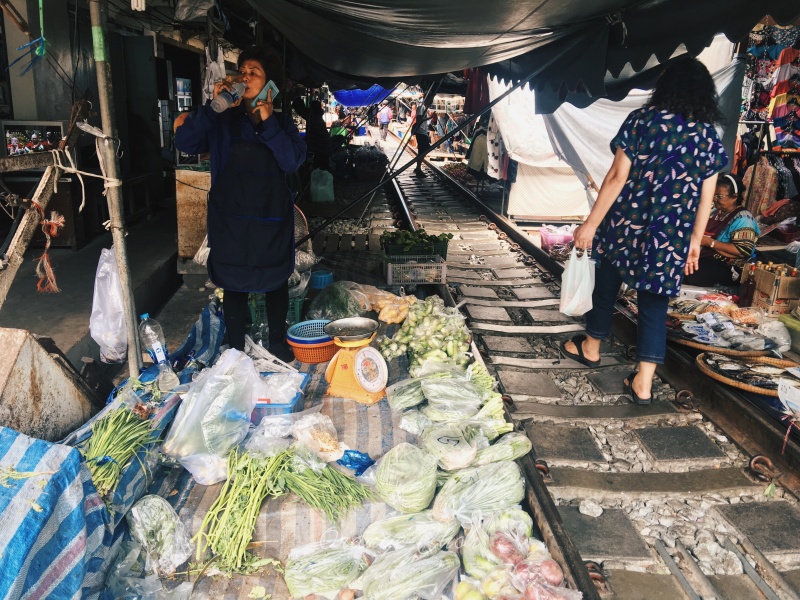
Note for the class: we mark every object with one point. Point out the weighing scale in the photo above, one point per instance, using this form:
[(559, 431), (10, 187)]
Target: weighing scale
[(357, 371)]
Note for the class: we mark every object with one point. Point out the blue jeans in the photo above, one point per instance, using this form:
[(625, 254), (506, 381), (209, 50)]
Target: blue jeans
[(651, 334)]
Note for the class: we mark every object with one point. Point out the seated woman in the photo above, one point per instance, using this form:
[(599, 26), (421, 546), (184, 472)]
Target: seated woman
[(730, 237)]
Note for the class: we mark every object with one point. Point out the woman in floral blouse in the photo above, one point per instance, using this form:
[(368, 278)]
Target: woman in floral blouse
[(647, 225)]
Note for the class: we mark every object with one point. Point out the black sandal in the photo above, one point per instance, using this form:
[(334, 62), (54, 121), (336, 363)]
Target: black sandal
[(627, 383), (579, 357)]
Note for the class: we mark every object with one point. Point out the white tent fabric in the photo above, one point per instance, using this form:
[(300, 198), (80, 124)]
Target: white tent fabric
[(547, 192)]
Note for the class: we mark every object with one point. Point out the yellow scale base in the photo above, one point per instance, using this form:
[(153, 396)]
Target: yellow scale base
[(341, 374)]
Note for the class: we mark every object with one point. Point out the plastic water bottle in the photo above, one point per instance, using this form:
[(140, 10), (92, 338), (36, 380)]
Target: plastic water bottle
[(153, 339), (225, 98)]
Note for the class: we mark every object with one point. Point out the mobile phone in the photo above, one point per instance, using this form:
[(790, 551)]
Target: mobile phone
[(262, 95)]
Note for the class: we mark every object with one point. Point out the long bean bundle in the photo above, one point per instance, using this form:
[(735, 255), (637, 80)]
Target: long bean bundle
[(227, 528), (115, 439)]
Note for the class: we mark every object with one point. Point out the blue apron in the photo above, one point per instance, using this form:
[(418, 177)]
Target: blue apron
[(250, 220)]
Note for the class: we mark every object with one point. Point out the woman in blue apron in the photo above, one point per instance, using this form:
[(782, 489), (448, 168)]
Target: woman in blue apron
[(250, 206)]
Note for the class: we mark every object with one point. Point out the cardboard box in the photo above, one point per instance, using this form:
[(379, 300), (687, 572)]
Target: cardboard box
[(773, 294)]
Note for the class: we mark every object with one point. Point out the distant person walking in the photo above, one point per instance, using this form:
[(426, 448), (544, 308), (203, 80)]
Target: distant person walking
[(419, 128), (384, 118)]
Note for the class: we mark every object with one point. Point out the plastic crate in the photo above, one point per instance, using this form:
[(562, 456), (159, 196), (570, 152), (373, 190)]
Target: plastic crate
[(403, 270), (438, 248), (550, 238), (296, 404), (258, 308)]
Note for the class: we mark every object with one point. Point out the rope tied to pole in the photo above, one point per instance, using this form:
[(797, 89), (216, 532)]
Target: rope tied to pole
[(44, 269)]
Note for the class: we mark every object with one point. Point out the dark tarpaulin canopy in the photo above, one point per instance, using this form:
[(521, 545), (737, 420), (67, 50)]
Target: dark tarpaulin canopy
[(570, 44)]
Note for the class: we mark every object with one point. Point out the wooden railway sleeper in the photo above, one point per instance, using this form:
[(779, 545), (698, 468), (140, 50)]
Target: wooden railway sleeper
[(762, 468)]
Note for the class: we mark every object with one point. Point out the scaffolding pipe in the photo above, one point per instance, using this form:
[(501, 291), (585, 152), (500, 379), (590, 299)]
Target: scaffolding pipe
[(99, 14)]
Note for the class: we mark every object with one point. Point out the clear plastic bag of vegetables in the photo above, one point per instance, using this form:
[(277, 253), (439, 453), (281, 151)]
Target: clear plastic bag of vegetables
[(214, 416), (510, 520), (317, 433), (155, 525), (406, 573), (479, 489), (406, 478), (477, 556), (409, 393), (454, 445), (511, 446), (338, 300), (416, 529), (324, 567)]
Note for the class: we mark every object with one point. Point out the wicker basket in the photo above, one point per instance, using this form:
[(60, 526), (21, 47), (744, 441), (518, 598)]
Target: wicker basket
[(717, 349), (313, 353), (735, 383)]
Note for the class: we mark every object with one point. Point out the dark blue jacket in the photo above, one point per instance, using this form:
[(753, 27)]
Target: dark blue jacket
[(207, 131)]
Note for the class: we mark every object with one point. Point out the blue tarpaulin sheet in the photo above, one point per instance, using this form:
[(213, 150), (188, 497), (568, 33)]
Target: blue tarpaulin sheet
[(57, 536), (353, 98)]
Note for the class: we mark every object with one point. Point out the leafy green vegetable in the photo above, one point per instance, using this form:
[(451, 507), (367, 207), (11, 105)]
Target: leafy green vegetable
[(418, 240), (401, 575), (323, 569), (488, 488), (417, 529), (509, 447), (406, 478), (338, 300)]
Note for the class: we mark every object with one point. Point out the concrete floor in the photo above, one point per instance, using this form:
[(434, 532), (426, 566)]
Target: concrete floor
[(64, 317)]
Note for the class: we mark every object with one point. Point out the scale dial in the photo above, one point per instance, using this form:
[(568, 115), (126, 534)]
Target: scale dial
[(371, 370)]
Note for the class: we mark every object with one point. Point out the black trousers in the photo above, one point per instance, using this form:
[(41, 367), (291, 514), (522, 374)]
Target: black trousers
[(423, 143), (237, 313)]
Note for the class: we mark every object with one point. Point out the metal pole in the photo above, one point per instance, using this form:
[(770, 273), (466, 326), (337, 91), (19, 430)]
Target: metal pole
[(99, 14)]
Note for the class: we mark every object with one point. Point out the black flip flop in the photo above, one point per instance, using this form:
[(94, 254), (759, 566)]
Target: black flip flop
[(627, 383), (579, 357)]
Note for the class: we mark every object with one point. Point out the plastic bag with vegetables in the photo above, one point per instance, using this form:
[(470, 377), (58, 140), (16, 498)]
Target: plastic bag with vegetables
[(451, 399), (214, 416), (404, 574), (491, 487), (317, 433), (406, 479), (155, 525), (454, 445), (510, 520), (338, 300), (477, 556), (414, 422), (416, 529), (322, 568), (509, 447)]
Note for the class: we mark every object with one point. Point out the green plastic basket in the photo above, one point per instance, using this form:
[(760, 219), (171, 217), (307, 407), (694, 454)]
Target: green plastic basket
[(258, 308)]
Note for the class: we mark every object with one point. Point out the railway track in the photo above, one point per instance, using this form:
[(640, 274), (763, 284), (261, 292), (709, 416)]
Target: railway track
[(671, 500)]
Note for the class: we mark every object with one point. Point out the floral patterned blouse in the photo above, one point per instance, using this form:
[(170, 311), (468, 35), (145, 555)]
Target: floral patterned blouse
[(646, 233)]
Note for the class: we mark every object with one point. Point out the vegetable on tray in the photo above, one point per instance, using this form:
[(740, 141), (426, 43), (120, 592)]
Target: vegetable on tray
[(116, 438)]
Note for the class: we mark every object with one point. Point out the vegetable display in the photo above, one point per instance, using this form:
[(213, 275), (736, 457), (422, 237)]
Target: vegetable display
[(406, 478), (509, 447), (227, 528), (328, 490), (338, 300), (116, 438), (430, 332), (417, 529), (402, 575), (453, 445), (413, 242), (155, 525), (487, 488), (317, 569)]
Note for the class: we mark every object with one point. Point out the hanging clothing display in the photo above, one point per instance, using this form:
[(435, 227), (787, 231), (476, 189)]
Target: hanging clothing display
[(763, 188), (477, 96), (478, 162)]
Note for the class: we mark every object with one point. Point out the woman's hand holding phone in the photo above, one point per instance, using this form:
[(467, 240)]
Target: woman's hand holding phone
[(264, 107)]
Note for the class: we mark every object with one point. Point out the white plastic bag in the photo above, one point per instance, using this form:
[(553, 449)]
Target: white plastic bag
[(321, 186), (577, 284), (778, 333), (107, 323), (214, 416), (155, 525), (317, 433)]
